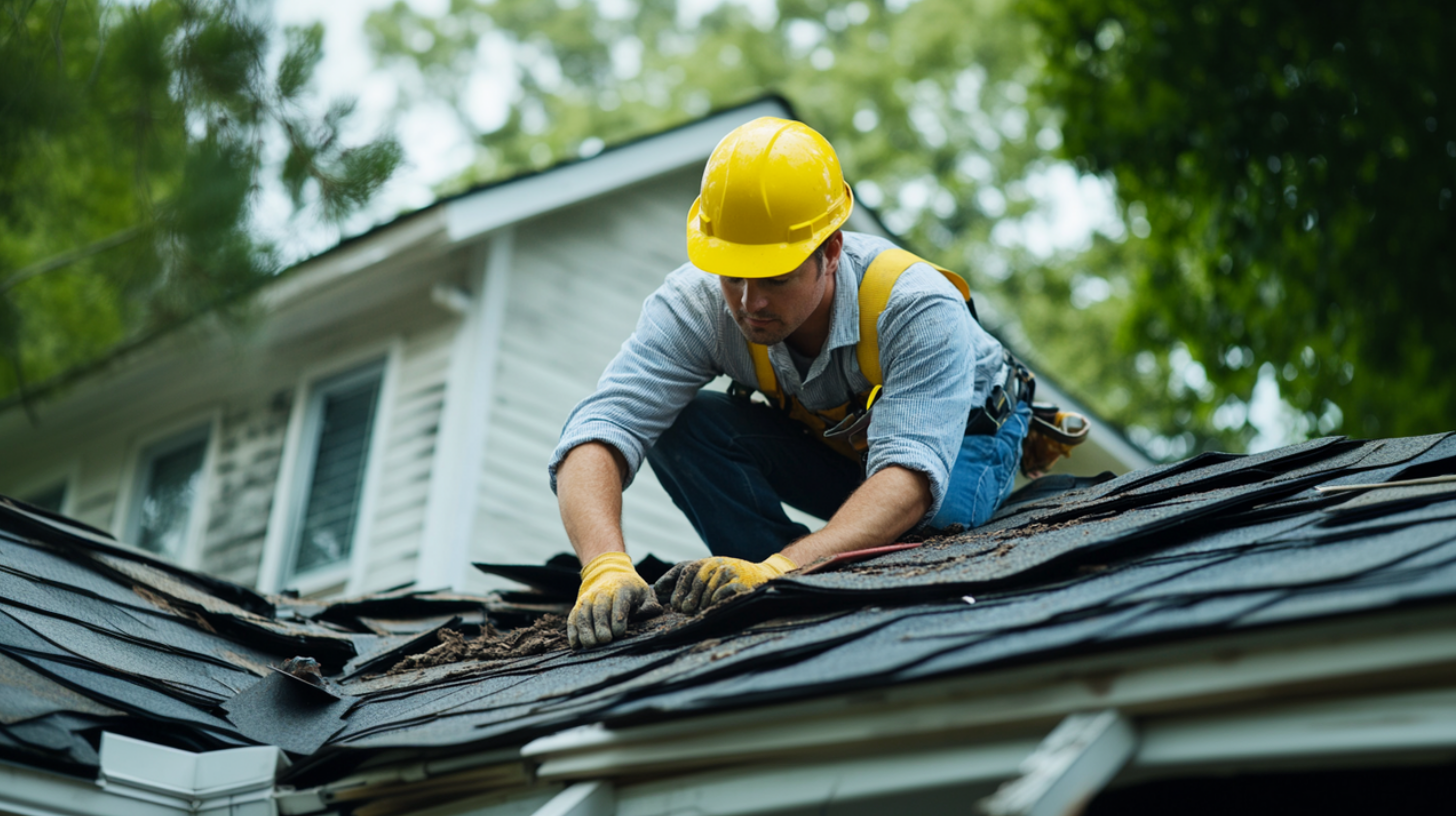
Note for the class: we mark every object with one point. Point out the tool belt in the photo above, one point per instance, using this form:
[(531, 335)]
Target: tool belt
[(1019, 387), (1052, 432)]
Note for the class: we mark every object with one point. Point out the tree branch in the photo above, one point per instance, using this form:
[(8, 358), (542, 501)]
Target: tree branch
[(68, 258)]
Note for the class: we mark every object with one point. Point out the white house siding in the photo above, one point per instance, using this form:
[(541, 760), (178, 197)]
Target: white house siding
[(249, 451), (408, 451), (578, 280)]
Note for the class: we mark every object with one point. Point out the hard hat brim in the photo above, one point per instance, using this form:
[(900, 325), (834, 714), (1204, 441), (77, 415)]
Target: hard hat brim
[(734, 260)]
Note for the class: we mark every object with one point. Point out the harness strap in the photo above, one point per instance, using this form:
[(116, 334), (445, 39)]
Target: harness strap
[(874, 296)]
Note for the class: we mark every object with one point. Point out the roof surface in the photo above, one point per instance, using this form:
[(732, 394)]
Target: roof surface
[(95, 636)]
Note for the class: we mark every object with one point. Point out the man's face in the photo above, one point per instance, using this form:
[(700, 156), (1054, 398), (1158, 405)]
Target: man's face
[(768, 310)]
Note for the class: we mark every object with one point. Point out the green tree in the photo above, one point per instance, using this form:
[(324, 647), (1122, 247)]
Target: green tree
[(1289, 169), (926, 103), (133, 150)]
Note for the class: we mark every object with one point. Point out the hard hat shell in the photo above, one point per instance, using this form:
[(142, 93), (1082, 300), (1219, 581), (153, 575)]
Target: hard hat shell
[(772, 193)]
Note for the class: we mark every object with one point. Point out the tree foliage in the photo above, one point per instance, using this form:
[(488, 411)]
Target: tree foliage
[(134, 142), (925, 102), (1291, 166)]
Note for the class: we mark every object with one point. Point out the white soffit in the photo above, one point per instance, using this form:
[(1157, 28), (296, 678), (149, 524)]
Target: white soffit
[(516, 201)]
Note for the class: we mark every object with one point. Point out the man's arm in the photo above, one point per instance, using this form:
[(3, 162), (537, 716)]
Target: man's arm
[(886, 505), (589, 492)]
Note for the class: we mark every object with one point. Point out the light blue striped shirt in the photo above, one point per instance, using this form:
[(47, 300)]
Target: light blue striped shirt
[(937, 363)]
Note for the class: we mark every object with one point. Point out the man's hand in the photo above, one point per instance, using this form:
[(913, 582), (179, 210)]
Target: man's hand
[(611, 593), (694, 585)]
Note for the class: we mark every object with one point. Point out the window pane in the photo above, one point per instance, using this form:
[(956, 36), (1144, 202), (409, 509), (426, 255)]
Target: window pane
[(166, 506), (53, 499), (332, 506)]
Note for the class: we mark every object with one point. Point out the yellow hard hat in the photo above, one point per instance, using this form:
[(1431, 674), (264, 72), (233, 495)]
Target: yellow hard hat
[(772, 193)]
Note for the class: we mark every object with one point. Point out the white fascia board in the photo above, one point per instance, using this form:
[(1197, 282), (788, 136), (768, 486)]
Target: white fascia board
[(515, 201), (474, 214), (778, 787), (1183, 676), (422, 228)]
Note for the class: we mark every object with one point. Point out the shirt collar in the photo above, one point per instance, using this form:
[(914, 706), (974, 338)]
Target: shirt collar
[(844, 319)]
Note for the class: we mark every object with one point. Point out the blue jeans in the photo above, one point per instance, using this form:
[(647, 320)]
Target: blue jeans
[(728, 463)]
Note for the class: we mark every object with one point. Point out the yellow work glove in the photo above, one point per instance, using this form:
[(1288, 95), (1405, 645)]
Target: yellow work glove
[(611, 593), (694, 585)]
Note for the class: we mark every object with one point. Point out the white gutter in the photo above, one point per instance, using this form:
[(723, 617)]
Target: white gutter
[(234, 782), (1072, 764), (496, 768), (140, 778), (1183, 677), (782, 787)]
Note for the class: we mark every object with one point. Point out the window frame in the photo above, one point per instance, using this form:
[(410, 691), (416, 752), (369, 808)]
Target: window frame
[(296, 470), (144, 449)]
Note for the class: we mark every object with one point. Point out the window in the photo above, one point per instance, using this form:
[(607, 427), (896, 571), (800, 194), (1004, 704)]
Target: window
[(169, 475), (337, 429)]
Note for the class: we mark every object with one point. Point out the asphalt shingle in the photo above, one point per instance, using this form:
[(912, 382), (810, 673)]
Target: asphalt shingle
[(92, 633)]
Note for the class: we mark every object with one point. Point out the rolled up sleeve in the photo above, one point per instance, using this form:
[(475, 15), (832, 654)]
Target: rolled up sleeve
[(654, 375), (927, 357)]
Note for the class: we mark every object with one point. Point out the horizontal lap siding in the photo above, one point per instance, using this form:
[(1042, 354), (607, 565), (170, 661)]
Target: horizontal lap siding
[(408, 453), (249, 452), (578, 280)]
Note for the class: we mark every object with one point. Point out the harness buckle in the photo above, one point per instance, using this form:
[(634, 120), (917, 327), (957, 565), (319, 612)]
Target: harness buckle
[(855, 422)]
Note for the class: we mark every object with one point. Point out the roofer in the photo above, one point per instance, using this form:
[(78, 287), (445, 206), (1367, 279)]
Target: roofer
[(783, 301)]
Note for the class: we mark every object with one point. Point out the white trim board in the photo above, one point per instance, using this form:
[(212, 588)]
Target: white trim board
[(516, 201), (460, 449)]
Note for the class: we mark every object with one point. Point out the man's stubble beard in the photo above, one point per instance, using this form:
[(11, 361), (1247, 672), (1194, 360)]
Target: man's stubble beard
[(767, 336)]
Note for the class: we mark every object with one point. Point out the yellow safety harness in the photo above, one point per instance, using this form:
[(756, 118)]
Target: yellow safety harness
[(874, 294)]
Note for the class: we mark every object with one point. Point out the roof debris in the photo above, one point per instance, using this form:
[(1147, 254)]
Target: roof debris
[(547, 634)]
